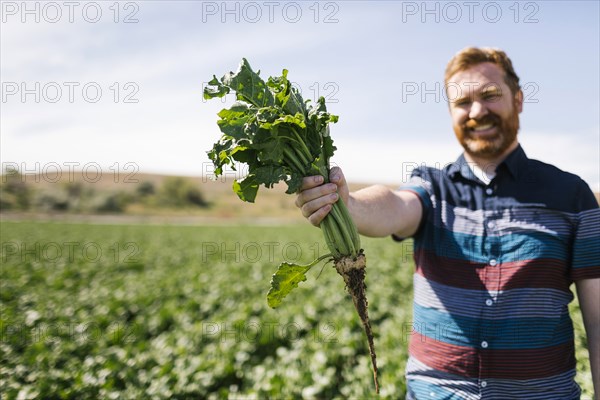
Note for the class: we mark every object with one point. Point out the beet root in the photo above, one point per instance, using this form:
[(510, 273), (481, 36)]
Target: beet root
[(352, 269)]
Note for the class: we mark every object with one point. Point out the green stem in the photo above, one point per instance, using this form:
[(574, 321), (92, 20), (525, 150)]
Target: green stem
[(333, 231), (331, 240), (343, 228), (301, 156), (349, 223), (304, 147), (315, 262), (293, 159), (301, 150), (328, 239)]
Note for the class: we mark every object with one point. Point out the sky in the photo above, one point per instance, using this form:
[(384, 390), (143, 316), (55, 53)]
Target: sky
[(106, 85)]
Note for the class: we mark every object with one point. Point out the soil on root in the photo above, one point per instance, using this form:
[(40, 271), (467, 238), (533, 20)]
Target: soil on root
[(352, 269)]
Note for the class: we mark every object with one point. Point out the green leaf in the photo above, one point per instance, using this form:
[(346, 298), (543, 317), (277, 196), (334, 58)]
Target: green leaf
[(280, 86), (219, 155), (294, 182), (233, 122), (246, 189), (296, 119), (268, 175), (328, 147), (243, 154), (248, 85), (295, 104), (217, 89), (269, 146), (286, 278)]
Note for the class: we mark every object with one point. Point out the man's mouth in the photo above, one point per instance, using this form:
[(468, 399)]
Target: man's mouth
[(484, 127)]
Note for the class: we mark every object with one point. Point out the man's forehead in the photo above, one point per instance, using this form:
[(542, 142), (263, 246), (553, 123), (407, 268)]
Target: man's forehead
[(480, 78), (484, 74)]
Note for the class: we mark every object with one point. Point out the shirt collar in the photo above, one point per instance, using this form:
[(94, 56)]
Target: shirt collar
[(460, 167), (514, 163)]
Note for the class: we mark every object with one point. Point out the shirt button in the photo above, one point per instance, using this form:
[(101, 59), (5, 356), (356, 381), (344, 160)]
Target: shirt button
[(493, 262), (489, 191), (483, 384), (491, 225), (489, 302), (484, 344)]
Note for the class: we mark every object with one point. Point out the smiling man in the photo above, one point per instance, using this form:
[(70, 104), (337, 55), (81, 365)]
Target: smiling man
[(498, 240)]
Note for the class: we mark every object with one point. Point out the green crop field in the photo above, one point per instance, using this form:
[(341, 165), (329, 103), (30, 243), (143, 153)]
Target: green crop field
[(179, 312)]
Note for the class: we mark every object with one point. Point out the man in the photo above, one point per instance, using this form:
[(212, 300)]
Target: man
[(498, 238)]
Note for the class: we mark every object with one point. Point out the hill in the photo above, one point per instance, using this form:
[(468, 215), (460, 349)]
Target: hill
[(150, 198)]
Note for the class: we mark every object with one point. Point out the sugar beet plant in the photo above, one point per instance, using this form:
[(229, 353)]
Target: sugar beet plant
[(282, 137)]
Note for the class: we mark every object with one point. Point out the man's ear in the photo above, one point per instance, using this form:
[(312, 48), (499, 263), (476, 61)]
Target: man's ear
[(519, 100)]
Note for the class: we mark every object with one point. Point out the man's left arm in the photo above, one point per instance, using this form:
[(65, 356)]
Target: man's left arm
[(588, 292)]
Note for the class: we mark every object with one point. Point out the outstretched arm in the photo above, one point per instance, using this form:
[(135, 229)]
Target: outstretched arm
[(588, 292), (376, 210)]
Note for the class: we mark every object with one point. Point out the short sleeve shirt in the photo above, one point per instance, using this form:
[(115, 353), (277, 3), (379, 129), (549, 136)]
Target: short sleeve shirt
[(494, 265)]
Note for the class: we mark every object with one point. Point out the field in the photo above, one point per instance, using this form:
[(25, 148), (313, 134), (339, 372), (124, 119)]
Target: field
[(179, 312)]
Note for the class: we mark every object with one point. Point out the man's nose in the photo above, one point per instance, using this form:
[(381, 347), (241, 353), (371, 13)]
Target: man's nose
[(477, 110)]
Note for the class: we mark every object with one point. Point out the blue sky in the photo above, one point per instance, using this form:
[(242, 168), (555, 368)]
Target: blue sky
[(379, 64)]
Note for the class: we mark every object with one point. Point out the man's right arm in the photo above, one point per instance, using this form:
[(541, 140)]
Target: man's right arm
[(376, 210)]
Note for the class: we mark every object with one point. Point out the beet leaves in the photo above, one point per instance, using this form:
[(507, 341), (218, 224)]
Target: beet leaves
[(281, 137)]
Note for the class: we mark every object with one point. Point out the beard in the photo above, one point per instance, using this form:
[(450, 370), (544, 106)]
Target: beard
[(489, 145)]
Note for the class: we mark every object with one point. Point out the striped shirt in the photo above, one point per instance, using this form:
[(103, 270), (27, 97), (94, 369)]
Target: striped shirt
[(494, 264)]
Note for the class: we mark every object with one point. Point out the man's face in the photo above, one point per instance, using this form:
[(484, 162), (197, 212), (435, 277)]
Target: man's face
[(485, 114)]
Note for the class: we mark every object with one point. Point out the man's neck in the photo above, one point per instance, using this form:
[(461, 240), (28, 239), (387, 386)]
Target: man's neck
[(490, 163)]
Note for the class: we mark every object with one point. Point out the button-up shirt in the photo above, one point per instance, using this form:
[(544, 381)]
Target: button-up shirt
[(494, 265)]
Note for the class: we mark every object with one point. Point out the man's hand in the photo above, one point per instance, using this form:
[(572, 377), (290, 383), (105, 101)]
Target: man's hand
[(315, 199)]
